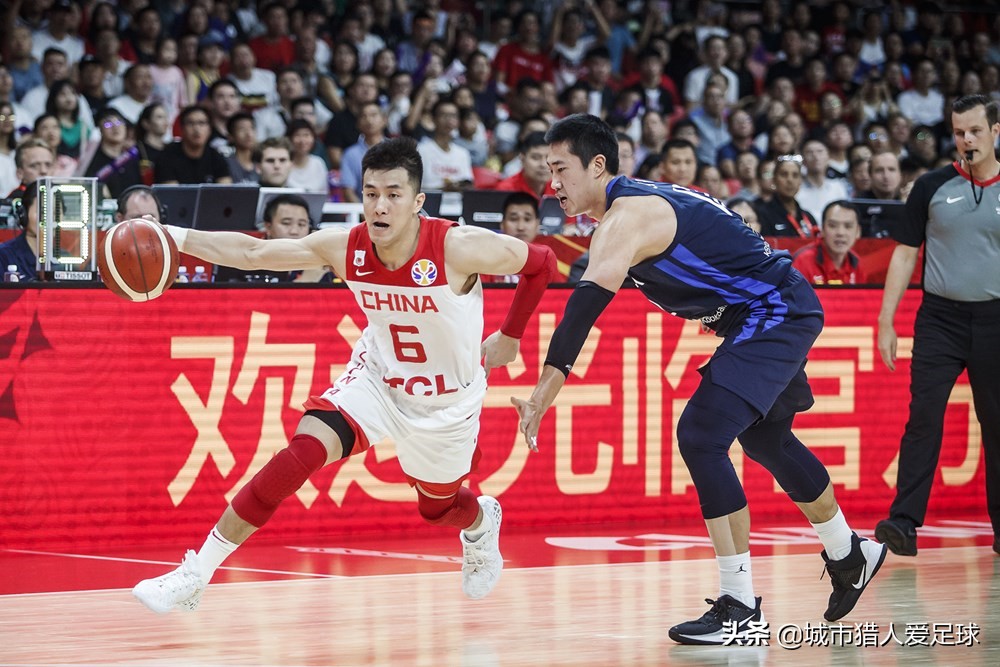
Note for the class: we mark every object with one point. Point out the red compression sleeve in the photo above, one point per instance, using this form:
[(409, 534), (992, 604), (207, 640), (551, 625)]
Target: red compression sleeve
[(538, 271)]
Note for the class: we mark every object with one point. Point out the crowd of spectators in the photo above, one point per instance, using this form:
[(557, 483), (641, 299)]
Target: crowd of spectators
[(787, 105)]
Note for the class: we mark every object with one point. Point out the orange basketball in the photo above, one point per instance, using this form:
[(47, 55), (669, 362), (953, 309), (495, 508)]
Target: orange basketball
[(138, 260)]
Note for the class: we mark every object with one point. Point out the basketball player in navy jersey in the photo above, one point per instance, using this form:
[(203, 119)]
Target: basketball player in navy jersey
[(416, 375), (694, 258)]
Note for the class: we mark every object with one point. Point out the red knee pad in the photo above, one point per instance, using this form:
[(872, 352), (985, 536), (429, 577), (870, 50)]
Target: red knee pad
[(279, 478), (459, 510)]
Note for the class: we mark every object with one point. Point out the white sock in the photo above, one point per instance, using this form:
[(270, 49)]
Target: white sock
[(835, 535), (484, 525), (215, 550), (736, 579)]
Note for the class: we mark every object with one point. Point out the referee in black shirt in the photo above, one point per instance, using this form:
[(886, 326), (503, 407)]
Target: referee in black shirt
[(955, 212)]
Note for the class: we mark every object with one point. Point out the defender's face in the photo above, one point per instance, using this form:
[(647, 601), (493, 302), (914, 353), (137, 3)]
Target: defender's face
[(391, 206), (570, 179)]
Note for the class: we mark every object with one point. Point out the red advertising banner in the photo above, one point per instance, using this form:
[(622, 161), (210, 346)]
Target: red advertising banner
[(136, 423)]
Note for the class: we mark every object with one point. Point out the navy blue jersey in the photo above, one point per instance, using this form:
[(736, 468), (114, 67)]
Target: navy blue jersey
[(716, 269)]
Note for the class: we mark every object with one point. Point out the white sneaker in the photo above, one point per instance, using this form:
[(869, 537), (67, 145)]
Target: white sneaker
[(482, 562), (181, 588)]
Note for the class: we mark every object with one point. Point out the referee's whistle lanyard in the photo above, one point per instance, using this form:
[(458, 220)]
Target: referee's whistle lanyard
[(802, 227)]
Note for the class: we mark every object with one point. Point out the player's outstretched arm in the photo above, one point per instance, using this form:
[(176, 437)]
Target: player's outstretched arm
[(619, 243), (242, 251)]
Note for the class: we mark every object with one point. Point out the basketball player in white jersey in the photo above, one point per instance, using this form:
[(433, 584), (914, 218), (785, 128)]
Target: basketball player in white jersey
[(417, 374)]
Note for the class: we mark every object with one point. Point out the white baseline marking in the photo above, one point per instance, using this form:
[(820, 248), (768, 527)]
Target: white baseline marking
[(164, 562)]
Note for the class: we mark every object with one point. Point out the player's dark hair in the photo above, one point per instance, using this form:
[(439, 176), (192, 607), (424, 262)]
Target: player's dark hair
[(397, 153), (586, 136)]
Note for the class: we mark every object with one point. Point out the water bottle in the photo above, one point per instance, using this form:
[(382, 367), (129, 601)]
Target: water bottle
[(199, 275), (11, 275), (182, 275)]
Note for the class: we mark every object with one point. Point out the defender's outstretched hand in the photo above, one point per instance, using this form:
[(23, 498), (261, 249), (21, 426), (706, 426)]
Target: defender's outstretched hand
[(531, 417)]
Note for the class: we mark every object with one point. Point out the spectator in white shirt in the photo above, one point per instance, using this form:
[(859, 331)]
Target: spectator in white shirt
[(107, 46), (55, 67), (60, 33), (923, 104), (258, 87), (817, 189), (447, 166), (138, 93), (714, 55), (272, 121), (308, 171)]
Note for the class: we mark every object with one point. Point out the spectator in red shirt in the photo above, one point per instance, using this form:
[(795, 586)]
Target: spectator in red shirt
[(830, 260), (274, 49), (534, 177), (523, 57)]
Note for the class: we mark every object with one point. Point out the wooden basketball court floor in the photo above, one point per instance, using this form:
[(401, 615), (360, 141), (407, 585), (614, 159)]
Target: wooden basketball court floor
[(597, 597)]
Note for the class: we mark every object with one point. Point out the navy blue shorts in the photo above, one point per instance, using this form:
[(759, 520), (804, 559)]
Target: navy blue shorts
[(763, 358)]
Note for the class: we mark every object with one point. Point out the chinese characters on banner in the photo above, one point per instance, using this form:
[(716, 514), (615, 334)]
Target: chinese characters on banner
[(124, 416)]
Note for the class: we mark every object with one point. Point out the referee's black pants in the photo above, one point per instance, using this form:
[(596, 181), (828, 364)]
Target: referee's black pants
[(949, 336)]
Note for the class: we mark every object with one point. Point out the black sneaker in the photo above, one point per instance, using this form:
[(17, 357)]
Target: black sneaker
[(899, 535), (747, 624), (850, 575)]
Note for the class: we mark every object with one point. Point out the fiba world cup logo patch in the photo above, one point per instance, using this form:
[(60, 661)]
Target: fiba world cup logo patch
[(424, 272)]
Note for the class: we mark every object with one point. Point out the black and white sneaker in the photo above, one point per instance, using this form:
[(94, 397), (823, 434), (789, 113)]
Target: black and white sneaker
[(851, 575), (729, 621)]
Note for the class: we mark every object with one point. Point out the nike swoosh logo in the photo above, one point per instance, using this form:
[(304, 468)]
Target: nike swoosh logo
[(364, 273), (952, 200), (861, 580)]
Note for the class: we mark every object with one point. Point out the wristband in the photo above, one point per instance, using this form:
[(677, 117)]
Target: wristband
[(179, 235)]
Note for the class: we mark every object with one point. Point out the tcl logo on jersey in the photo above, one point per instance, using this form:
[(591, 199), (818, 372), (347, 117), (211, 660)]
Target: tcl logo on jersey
[(424, 272)]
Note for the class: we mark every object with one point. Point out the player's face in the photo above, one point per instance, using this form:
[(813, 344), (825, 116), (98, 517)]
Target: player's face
[(290, 222), (521, 222), (574, 186), (391, 206)]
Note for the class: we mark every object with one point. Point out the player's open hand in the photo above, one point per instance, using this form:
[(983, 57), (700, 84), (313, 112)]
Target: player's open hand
[(498, 350), (531, 417)]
